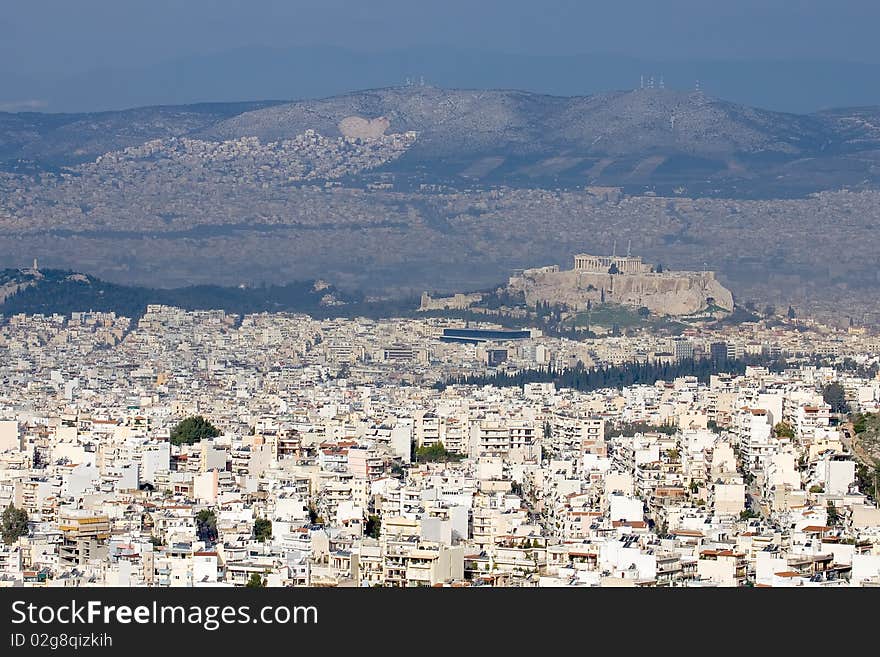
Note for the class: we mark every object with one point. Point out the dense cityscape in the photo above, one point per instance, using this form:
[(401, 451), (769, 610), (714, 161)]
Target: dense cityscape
[(302, 302), (210, 449)]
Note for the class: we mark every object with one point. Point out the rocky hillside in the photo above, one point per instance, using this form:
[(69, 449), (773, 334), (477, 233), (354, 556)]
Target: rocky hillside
[(39, 141), (452, 121), (669, 293), (621, 138)]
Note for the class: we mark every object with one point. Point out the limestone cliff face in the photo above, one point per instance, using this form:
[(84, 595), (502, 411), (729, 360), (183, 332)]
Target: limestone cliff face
[(10, 289), (669, 293)]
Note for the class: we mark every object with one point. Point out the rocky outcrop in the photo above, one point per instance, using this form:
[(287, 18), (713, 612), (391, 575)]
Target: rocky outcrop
[(357, 127), (667, 293), (22, 279), (8, 290)]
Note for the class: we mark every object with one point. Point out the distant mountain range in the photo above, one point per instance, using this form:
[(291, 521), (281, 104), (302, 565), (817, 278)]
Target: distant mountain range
[(449, 190), (686, 141)]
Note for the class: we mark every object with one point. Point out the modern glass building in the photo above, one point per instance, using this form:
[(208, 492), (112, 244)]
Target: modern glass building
[(475, 336)]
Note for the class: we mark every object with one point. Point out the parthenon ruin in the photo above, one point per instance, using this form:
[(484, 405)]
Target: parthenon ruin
[(601, 264)]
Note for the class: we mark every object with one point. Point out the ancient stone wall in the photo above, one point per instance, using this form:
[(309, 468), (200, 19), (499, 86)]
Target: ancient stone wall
[(455, 302)]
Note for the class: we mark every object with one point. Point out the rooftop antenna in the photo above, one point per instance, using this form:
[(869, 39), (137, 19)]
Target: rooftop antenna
[(629, 248), (642, 81)]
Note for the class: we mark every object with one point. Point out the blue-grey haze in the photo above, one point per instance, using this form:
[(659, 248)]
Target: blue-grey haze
[(58, 55)]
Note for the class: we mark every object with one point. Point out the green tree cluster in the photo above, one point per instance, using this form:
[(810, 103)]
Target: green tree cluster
[(580, 377), (262, 529), (14, 524), (868, 480), (435, 452), (783, 430), (860, 422), (373, 528), (256, 581), (833, 514), (206, 526), (56, 293), (835, 396), (314, 517), (192, 430)]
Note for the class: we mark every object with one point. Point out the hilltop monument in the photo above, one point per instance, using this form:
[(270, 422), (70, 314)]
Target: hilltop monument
[(624, 280)]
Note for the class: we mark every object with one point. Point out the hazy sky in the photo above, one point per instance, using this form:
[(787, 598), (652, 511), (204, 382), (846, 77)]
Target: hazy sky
[(78, 55), (80, 35)]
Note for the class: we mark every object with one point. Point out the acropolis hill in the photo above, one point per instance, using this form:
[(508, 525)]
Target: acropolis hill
[(624, 280)]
